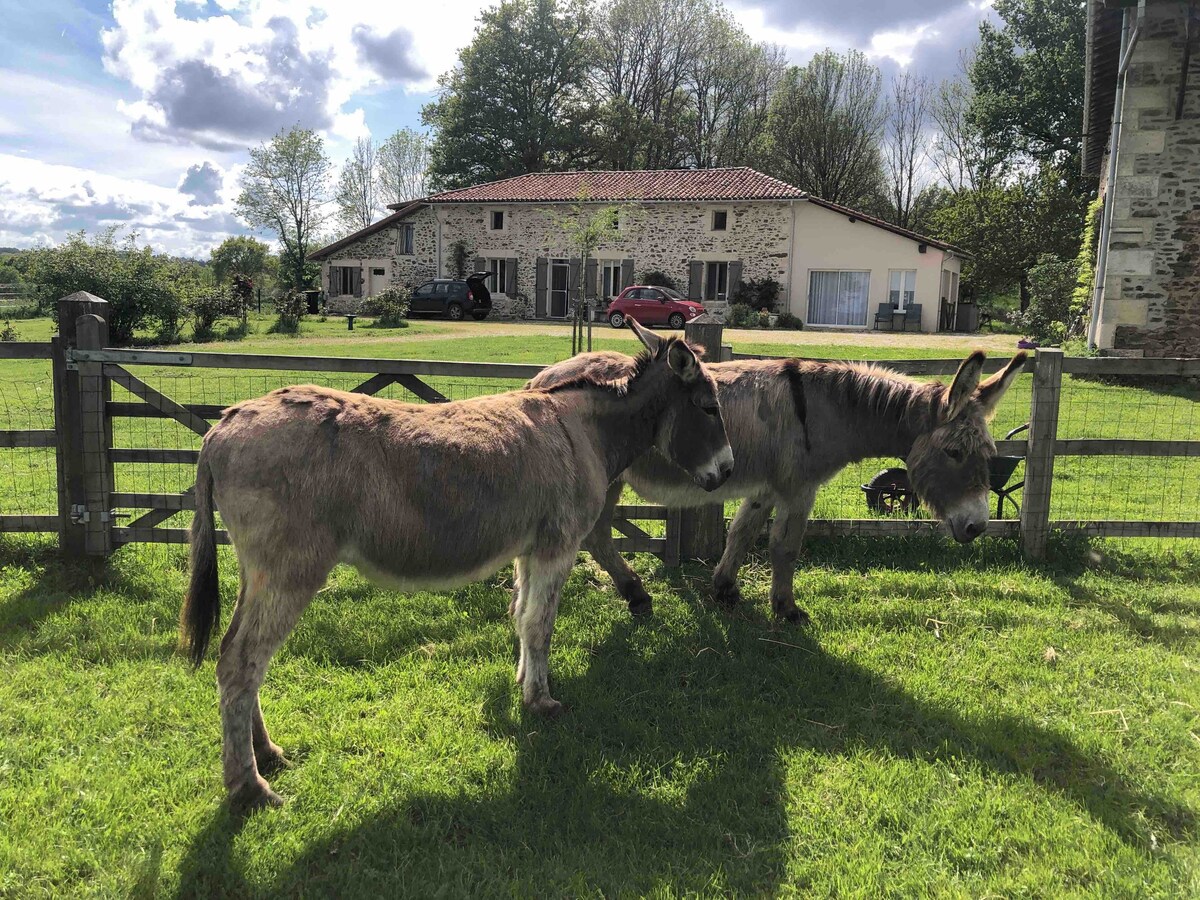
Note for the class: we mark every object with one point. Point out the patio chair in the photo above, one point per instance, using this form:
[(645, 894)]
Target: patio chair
[(912, 316), (884, 314)]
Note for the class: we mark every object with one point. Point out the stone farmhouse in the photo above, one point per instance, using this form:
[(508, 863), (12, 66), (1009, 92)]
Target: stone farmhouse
[(708, 229), (1142, 137)]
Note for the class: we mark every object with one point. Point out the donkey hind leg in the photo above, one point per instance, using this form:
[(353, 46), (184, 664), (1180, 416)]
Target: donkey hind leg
[(743, 532), (542, 579), (267, 754), (269, 608), (600, 545), (787, 533), (515, 606)]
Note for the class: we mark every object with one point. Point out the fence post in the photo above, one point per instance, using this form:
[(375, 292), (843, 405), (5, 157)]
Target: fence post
[(1039, 459), (83, 427), (702, 529)]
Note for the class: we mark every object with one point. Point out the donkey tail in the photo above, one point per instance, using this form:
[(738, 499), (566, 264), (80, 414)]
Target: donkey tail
[(201, 612)]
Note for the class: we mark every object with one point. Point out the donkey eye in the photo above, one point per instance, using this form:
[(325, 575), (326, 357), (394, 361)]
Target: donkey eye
[(711, 410), (955, 455)]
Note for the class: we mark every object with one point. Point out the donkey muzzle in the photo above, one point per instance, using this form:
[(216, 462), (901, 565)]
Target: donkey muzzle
[(716, 472)]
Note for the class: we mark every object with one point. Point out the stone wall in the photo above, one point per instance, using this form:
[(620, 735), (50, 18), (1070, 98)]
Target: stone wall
[(403, 269), (1152, 286), (663, 237)]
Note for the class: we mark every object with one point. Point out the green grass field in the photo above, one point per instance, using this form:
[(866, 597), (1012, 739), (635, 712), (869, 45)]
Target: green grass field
[(956, 722)]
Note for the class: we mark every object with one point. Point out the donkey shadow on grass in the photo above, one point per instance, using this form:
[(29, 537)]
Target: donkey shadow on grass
[(576, 814)]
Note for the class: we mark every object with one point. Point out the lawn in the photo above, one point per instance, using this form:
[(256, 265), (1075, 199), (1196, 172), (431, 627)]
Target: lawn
[(956, 722)]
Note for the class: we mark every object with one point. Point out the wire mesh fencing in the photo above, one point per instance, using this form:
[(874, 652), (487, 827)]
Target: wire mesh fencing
[(28, 475)]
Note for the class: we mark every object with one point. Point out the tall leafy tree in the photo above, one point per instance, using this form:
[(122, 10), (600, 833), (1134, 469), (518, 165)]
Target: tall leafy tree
[(285, 190), (824, 129), (517, 100), (239, 255), (357, 194), (905, 145), (403, 166)]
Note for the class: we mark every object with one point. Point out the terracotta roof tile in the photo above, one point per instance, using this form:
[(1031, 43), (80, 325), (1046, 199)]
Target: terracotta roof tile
[(648, 184)]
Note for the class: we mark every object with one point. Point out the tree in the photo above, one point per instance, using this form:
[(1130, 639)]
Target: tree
[(142, 288), (357, 194), (824, 127), (517, 101), (905, 143), (403, 161), (239, 255), (285, 190), (586, 229), (1028, 77)]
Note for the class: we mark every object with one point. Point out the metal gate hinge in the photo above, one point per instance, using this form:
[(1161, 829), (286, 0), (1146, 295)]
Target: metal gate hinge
[(80, 514)]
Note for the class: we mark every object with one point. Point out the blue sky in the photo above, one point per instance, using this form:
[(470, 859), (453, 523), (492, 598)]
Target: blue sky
[(139, 113)]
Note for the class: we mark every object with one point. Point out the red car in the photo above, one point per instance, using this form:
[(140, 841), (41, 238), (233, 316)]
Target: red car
[(652, 305)]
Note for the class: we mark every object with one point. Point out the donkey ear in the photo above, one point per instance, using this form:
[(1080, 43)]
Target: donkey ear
[(649, 339), (683, 361), (989, 393), (964, 385)]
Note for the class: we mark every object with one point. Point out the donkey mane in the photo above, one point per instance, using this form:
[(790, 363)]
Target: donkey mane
[(594, 378), (878, 392)]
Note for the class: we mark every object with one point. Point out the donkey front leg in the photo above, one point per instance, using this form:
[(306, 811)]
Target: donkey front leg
[(600, 545), (743, 532), (787, 533), (541, 582)]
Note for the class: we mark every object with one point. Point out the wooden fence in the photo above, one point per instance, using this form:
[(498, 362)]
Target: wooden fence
[(84, 370)]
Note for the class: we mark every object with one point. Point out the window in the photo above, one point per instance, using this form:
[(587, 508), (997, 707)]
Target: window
[(716, 281), (406, 240), (425, 290), (378, 273), (341, 280), (442, 287), (499, 270), (610, 278), (838, 298), (496, 220), (902, 287), (720, 220)]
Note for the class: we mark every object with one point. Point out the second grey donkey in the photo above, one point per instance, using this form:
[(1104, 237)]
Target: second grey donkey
[(794, 424), (422, 497)]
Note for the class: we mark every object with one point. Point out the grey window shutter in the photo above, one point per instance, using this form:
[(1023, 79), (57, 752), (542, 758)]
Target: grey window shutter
[(626, 272), (573, 288), (480, 265), (510, 277), (539, 287), (589, 278), (695, 279), (356, 281), (332, 273), (735, 278)]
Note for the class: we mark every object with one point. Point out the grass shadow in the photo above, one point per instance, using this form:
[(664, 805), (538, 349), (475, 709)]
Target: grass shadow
[(580, 810)]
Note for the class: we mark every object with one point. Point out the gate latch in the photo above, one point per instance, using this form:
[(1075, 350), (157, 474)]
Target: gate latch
[(81, 515)]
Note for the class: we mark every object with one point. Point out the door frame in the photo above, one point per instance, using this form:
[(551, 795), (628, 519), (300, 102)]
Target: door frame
[(552, 264)]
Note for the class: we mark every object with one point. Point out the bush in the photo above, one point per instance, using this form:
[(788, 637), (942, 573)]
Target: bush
[(742, 315), (290, 308), (8, 333), (659, 279), (389, 307), (142, 289), (209, 306), (1052, 283), (787, 320), (762, 294)]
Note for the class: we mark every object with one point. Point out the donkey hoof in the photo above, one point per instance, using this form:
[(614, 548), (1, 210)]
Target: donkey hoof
[(795, 616), (547, 706), (270, 759), (640, 604), (252, 795), (726, 593)]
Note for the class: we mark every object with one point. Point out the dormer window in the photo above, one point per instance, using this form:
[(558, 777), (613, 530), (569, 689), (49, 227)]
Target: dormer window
[(496, 220), (720, 220)]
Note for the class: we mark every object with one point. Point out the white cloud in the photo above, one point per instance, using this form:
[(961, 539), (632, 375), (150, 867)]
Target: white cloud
[(42, 202)]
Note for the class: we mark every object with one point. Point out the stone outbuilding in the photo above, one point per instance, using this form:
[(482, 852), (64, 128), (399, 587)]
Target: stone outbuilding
[(1142, 137), (705, 229)]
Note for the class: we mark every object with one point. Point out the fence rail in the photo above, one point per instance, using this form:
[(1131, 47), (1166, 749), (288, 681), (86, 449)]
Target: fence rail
[(89, 503)]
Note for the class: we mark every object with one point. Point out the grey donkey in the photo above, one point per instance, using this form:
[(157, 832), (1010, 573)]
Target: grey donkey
[(794, 424), (422, 497)]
